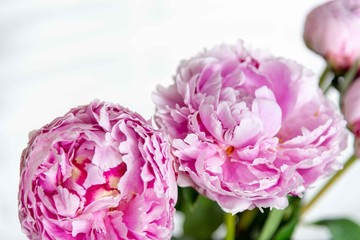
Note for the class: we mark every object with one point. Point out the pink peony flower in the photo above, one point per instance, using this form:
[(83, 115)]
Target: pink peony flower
[(248, 129), (351, 109), (333, 31), (99, 172)]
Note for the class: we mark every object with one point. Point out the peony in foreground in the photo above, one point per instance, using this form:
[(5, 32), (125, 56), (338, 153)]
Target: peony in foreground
[(99, 172), (247, 129)]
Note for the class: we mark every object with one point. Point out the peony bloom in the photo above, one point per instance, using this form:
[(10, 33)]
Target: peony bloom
[(351, 109), (99, 172), (248, 129), (333, 31)]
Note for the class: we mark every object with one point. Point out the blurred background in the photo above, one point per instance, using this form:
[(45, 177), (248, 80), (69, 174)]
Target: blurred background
[(55, 55)]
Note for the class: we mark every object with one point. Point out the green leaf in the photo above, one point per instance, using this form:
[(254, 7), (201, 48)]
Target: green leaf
[(250, 223), (202, 219), (286, 231), (271, 225), (186, 199), (341, 229), (291, 218)]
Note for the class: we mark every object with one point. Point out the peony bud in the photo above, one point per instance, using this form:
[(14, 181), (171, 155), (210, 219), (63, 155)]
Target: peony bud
[(333, 31), (351, 109)]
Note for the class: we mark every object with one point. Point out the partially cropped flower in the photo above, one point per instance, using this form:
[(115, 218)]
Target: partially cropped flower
[(333, 31), (351, 109), (99, 172), (248, 129)]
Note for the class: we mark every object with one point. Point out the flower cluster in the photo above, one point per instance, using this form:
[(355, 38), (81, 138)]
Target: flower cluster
[(99, 172), (248, 129), (243, 128)]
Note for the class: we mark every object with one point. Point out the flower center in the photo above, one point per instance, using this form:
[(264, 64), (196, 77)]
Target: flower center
[(229, 150)]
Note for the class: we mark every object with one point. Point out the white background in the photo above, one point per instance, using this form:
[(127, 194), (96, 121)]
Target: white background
[(55, 55)]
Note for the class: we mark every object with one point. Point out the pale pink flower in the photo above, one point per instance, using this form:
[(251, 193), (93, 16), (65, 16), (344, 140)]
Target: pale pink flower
[(248, 129), (99, 172), (351, 109), (333, 31)]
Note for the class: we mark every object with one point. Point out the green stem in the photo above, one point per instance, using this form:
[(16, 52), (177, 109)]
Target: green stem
[(230, 221), (324, 82), (272, 223), (349, 76), (331, 182)]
